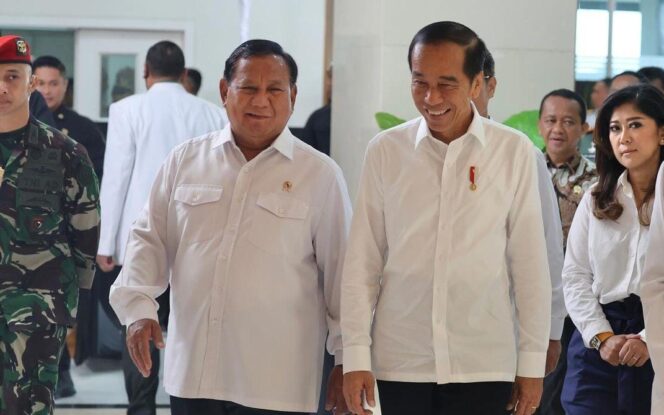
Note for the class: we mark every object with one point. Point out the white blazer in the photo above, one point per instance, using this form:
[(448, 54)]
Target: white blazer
[(142, 130)]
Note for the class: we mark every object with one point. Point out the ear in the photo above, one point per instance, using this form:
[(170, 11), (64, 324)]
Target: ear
[(146, 71), (293, 95), (539, 127), (476, 85), (491, 87), (661, 135), (32, 83), (223, 90), (585, 127)]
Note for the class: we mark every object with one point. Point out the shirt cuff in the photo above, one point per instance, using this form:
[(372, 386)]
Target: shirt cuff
[(137, 309), (356, 358), (556, 328), (642, 333), (339, 358), (531, 364), (593, 328)]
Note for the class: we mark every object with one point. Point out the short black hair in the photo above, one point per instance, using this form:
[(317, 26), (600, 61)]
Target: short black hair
[(642, 79), (567, 94), (195, 78), (166, 59), (652, 73), (259, 47), (49, 62), (489, 67), (440, 32)]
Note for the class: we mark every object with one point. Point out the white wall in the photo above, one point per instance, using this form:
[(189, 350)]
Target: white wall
[(532, 42), (213, 28)]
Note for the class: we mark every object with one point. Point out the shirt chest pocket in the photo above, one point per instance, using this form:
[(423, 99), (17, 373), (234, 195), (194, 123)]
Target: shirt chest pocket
[(198, 211), (279, 225)]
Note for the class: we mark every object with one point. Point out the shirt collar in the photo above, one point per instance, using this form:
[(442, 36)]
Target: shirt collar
[(284, 143), (475, 129), (626, 186), (166, 85), (572, 164)]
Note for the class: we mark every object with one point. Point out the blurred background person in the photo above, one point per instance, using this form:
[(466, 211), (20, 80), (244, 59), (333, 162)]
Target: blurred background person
[(655, 76), (192, 81)]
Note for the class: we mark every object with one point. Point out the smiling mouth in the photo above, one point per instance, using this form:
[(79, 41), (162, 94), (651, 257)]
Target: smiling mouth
[(437, 113), (624, 153)]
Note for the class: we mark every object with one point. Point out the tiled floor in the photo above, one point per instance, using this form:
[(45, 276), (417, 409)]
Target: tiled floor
[(100, 382)]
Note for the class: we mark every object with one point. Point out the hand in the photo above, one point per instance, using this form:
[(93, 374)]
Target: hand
[(610, 348), (335, 401), (105, 263), (634, 352), (139, 334), (552, 356), (355, 385), (526, 395)]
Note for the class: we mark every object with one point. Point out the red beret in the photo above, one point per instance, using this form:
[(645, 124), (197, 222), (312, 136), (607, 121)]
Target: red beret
[(14, 49)]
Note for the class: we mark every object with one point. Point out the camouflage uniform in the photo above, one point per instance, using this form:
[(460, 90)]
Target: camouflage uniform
[(571, 180), (49, 225)]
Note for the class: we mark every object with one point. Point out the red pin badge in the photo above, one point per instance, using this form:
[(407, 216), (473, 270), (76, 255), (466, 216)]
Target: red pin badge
[(471, 176)]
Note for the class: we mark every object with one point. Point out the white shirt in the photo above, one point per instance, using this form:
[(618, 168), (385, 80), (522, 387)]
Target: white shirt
[(438, 260), (652, 294), (142, 130), (553, 235), (255, 251), (604, 260)]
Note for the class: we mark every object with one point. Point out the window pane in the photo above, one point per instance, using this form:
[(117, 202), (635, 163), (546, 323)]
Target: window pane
[(118, 72), (592, 43)]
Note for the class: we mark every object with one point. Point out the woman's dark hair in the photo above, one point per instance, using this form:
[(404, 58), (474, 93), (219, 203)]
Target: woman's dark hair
[(647, 100), (259, 47), (456, 33)]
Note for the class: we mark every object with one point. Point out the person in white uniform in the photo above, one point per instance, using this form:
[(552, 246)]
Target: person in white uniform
[(249, 226), (142, 130), (447, 224)]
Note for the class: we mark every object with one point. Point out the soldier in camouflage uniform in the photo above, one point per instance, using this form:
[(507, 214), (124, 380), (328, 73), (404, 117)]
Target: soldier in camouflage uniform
[(49, 224)]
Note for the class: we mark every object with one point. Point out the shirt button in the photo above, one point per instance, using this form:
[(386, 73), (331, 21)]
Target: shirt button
[(224, 257), (281, 211)]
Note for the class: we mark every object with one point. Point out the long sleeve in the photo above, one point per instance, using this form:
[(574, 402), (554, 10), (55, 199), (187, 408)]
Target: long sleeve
[(652, 288), (363, 267), (83, 225), (118, 165), (144, 275), (553, 234), (582, 305), (526, 258), (330, 246)]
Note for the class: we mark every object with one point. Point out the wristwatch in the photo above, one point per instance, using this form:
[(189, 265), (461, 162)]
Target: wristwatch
[(598, 339)]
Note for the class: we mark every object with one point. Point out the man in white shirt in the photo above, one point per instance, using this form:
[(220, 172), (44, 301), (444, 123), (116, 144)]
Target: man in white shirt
[(250, 223), (142, 130), (447, 223)]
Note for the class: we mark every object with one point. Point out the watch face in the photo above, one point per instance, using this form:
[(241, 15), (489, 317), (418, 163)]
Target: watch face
[(594, 343)]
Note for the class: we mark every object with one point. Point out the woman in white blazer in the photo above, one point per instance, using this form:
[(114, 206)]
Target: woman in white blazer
[(609, 370)]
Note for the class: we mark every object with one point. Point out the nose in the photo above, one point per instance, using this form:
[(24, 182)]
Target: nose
[(260, 99), (433, 96)]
